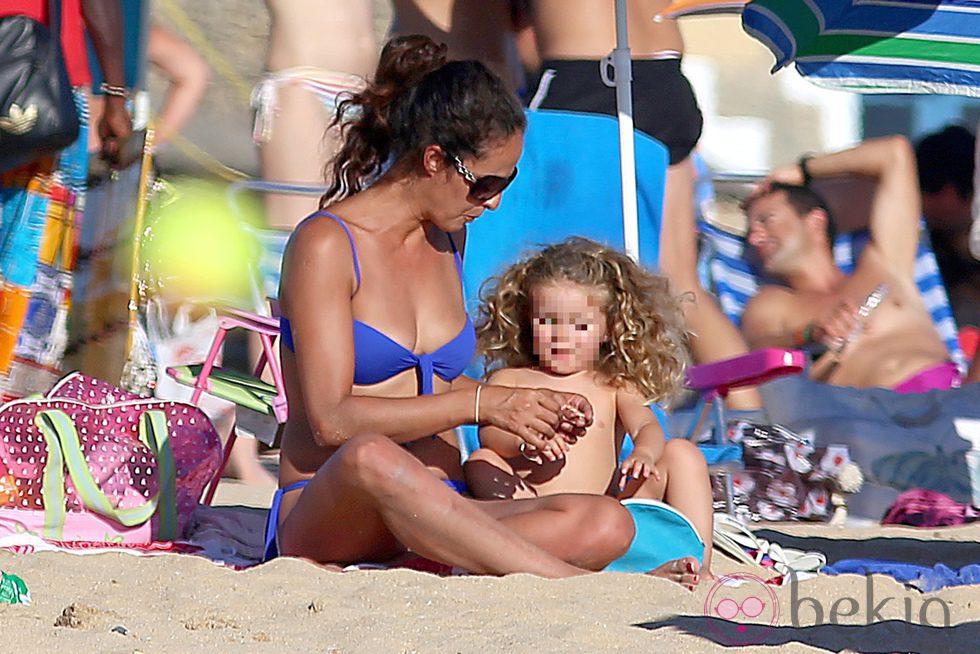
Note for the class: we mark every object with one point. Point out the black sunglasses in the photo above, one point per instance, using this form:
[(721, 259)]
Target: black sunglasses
[(482, 188)]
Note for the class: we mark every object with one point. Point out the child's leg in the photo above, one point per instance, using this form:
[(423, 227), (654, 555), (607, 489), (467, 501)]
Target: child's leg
[(683, 484), (490, 477)]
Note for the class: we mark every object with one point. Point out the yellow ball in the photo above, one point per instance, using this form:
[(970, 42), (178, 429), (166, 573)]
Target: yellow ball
[(200, 248)]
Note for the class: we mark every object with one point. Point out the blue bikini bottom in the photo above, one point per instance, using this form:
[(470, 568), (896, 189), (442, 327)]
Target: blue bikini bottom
[(272, 525)]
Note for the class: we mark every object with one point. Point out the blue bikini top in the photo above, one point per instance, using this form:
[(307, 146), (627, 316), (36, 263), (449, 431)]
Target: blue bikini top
[(377, 357)]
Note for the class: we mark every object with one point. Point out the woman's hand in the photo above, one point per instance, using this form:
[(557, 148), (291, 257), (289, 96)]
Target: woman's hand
[(546, 420), (575, 418)]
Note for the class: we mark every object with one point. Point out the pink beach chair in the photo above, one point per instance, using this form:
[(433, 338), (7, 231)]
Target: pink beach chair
[(261, 407), (247, 392)]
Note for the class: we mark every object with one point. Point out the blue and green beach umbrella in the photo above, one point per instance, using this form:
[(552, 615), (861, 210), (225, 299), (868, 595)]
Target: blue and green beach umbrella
[(874, 46)]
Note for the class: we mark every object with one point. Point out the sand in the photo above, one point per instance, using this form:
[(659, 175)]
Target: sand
[(125, 604)]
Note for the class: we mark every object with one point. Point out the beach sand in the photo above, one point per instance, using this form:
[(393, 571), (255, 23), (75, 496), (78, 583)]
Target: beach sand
[(124, 604)]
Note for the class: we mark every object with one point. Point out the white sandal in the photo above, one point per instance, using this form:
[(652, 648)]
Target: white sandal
[(733, 538)]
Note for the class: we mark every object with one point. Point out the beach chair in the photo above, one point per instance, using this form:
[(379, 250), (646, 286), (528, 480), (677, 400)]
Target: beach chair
[(260, 406), (249, 393), (569, 184)]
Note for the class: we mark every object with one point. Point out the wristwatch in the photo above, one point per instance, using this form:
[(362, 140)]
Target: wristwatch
[(803, 163)]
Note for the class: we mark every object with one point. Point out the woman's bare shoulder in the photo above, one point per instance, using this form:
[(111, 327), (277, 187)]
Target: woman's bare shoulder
[(320, 233), (319, 256)]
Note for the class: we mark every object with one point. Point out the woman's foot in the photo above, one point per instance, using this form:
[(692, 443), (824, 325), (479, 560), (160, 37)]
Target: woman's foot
[(686, 571)]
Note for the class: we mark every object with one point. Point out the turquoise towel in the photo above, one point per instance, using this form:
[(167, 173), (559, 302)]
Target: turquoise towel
[(662, 535)]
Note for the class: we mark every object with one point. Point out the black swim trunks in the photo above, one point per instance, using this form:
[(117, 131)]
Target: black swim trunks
[(664, 105)]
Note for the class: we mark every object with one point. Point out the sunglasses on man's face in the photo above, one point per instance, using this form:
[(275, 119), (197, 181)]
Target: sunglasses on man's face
[(486, 187)]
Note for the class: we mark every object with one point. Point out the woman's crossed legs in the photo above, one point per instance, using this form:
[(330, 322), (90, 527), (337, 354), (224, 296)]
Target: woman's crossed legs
[(372, 500)]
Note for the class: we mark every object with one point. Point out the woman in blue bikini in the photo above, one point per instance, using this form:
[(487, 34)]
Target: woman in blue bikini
[(375, 338)]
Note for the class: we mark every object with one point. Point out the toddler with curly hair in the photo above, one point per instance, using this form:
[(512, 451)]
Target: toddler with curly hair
[(584, 318)]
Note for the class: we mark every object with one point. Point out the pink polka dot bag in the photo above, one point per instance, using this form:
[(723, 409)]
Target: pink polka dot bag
[(91, 462)]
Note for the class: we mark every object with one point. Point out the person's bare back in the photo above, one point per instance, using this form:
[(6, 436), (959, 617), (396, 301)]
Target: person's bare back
[(314, 48), (471, 29), (331, 35), (586, 29)]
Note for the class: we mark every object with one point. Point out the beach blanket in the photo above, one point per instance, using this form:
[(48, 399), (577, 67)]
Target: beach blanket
[(228, 536), (925, 578), (27, 543)]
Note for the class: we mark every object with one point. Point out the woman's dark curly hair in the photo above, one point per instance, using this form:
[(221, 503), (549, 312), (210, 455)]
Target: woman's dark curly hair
[(417, 99), (647, 338)]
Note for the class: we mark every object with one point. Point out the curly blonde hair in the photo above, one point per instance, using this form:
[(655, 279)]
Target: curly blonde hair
[(647, 339)]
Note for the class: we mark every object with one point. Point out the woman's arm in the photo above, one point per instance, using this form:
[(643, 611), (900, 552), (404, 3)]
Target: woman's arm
[(502, 442), (188, 75), (318, 281)]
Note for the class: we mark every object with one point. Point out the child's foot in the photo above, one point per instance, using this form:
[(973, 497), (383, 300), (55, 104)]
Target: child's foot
[(686, 571)]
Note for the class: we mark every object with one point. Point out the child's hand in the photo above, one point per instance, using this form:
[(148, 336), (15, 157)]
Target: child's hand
[(574, 418), (552, 449), (637, 467)]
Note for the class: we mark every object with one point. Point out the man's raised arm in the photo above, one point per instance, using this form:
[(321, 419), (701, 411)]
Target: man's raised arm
[(896, 206)]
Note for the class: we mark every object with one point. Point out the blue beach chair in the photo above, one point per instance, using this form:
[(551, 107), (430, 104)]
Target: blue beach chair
[(569, 184)]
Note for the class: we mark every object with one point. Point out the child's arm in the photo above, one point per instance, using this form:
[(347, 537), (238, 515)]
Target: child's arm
[(648, 437)]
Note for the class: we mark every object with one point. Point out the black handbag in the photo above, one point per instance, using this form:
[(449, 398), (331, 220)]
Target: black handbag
[(37, 107)]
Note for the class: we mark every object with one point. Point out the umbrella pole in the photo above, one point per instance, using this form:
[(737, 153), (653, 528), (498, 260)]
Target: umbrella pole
[(146, 170), (627, 156)]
